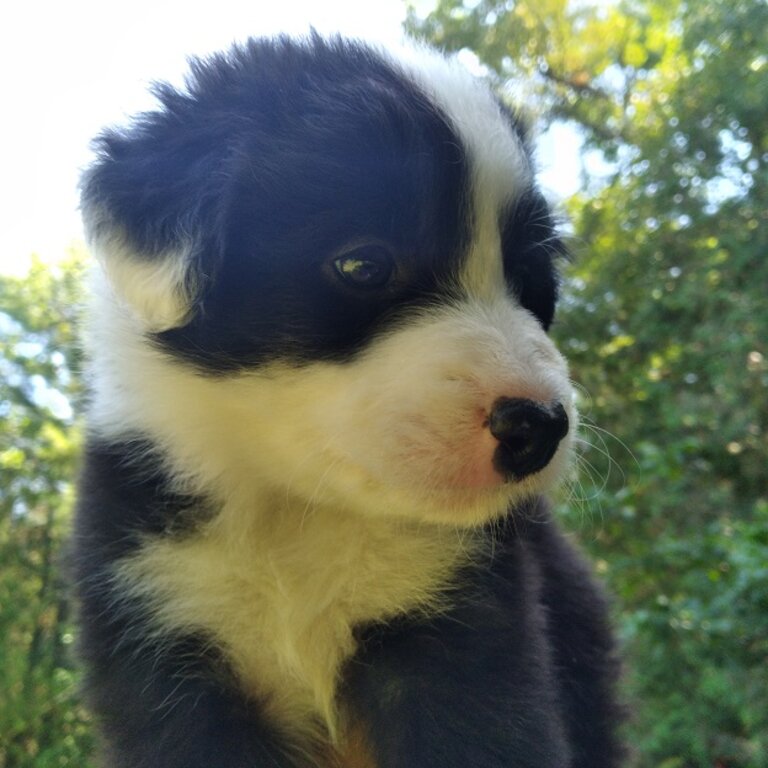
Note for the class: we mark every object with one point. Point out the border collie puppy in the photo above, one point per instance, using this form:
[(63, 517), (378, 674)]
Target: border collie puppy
[(324, 408)]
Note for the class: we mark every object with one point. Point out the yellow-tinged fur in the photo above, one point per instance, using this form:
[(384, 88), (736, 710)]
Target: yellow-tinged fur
[(280, 588)]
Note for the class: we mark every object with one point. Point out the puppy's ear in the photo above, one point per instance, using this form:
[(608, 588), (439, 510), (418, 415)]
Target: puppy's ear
[(159, 289), (148, 205)]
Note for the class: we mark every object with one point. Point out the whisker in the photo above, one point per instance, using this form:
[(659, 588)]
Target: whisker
[(592, 426)]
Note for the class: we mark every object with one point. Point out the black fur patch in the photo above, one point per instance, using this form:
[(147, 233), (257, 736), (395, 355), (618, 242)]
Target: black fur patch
[(531, 248), (519, 673)]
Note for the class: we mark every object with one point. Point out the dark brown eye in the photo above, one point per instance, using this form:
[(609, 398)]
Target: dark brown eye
[(367, 266)]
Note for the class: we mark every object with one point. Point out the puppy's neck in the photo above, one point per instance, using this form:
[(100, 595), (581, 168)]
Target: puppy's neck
[(281, 585)]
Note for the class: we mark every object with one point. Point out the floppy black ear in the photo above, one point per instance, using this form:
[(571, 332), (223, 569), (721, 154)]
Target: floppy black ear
[(147, 202)]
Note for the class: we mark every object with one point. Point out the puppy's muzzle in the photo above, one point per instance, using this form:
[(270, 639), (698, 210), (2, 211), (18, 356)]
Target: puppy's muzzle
[(528, 433)]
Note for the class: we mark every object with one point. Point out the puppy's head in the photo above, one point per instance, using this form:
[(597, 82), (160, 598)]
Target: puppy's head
[(329, 273)]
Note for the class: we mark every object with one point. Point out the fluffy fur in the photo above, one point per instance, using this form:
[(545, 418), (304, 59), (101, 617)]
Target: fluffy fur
[(324, 409)]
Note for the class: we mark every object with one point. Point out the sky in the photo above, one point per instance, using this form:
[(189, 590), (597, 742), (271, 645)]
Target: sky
[(68, 69)]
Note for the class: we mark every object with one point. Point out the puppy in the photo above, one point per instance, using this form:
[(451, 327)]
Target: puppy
[(324, 408)]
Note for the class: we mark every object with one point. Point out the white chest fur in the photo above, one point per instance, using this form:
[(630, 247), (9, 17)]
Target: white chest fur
[(279, 588)]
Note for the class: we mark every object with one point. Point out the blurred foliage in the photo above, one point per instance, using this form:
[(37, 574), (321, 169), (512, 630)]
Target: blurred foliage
[(41, 721), (665, 322)]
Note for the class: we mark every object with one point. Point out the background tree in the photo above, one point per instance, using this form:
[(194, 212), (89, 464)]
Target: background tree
[(41, 722), (665, 321)]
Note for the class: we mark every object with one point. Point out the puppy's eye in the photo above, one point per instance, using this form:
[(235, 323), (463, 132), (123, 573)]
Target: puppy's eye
[(368, 266)]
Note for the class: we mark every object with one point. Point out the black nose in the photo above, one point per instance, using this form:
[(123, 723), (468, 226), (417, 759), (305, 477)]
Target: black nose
[(528, 433)]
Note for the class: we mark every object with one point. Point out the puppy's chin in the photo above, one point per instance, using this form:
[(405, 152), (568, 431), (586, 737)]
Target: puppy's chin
[(458, 504), (461, 508), (358, 485)]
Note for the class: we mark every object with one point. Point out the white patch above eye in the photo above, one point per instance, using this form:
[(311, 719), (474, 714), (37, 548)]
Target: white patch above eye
[(499, 165), (497, 158)]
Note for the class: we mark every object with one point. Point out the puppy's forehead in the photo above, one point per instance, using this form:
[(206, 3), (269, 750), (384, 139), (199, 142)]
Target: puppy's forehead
[(403, 146)]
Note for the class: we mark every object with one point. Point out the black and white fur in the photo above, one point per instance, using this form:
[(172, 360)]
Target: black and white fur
[(324, 408)]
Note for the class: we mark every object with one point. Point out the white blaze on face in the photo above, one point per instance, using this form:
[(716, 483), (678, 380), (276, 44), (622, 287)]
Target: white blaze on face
[(500, 171)]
